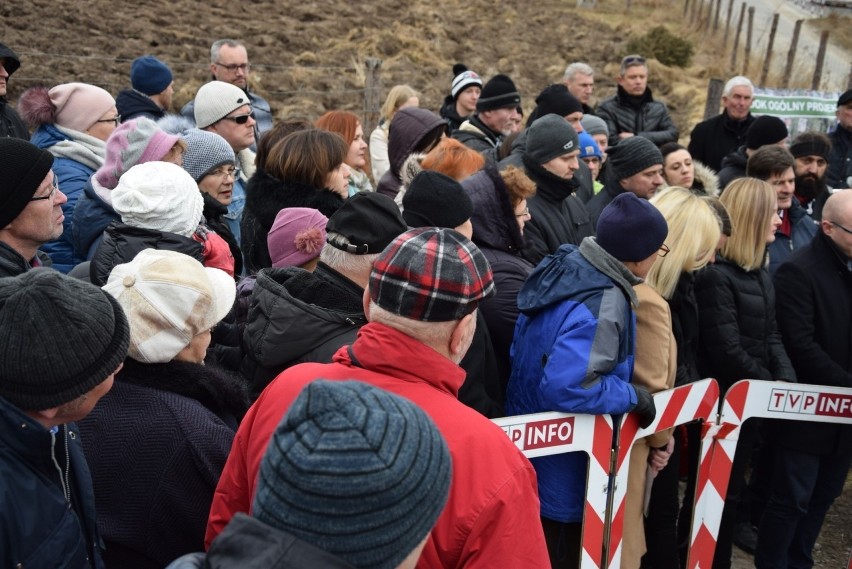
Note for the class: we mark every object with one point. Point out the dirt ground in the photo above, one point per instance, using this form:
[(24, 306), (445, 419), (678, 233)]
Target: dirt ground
[(308, 57)]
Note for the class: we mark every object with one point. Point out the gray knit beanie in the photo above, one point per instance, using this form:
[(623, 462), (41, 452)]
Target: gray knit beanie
[(214, 100), (356, 471), (205, 151), (594, 125), (631, 156), (61, 338), (550, 136)]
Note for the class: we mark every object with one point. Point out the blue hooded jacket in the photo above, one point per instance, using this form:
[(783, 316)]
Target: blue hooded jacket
[(572, 352)]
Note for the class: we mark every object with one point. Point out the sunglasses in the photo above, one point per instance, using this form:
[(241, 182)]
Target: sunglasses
[(240, 119)]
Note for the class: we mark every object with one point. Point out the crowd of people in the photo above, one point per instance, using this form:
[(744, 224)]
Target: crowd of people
[(236, 339)]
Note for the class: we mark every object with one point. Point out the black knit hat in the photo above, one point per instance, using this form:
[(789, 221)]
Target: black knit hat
[(370, 221), (765, 130), (61, 338), (499, 93), (13, 62), (844, 99), (356, 471), (630, 228), (556, 99), (631, 156), (434, 199), (24, 167)]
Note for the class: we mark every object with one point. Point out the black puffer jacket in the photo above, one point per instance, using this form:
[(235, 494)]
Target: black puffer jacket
[(121, 243), (265, 197), (450, 115), (717, 137), (733, 167), (643, 116), (739, 338), (558, 216), (474, 134), (407, 131), (297, 316), (214, 214), (496, 232)]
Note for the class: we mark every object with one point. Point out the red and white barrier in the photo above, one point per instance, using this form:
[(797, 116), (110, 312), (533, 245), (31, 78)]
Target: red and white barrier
[(744, 400)]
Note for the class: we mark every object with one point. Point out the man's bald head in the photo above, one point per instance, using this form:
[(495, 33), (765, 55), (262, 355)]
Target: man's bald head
[(837, 220)]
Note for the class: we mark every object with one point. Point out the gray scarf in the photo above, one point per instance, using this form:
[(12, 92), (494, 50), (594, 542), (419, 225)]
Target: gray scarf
[(83, 148), (611, 267)]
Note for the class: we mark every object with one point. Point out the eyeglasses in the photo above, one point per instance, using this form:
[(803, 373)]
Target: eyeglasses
[(664, 250), (224, 173), (53, 187), (834, 223), (114, 120), (240, 119), (524, 214), (235, 66)]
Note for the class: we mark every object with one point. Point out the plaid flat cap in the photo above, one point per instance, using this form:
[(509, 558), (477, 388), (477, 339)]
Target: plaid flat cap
[(432, 275)]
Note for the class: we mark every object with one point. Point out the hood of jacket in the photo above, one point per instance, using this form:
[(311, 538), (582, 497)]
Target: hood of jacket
[(294, 311), (48, 135), (574, 272), (737, 159), (493, 219), (131, 103), (408, 128)]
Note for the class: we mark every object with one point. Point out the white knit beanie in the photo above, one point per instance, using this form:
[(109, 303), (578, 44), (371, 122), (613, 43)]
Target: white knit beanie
[(160, 196), (215, 100)]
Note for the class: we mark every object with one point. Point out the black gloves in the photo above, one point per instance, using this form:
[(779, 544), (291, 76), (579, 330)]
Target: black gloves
[(644, 406)]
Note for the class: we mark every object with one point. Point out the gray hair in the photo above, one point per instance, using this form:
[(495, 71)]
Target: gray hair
[(217, 45), (738, 81), (343, 262), (632, 61), (578, 67), (430, 333)]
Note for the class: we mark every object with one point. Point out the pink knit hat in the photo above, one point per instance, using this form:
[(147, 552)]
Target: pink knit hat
[(134, 142), (296, 237), (79, 105)]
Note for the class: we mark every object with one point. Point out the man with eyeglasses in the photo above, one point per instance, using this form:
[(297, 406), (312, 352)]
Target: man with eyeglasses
[(10, 122), (811, 460), (632, 111), (229, 63), (775, 165), (30, 206), (226, 110)]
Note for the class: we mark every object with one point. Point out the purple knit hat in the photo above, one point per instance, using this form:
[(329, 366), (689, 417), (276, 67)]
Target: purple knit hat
[(297, 236), (134, 142)]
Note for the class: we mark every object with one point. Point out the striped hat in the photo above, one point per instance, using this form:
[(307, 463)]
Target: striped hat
[(356, 471), (432, 275)]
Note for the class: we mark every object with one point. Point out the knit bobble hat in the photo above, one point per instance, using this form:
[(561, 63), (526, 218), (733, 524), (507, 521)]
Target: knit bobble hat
[(549, 137), (160, 196), (431, 274), (296, 237), (79, 105), (149, 75), (134, 142), (355, 471), (499, 93), (169, 298), (25, 166), (435, 200), (205, 151), (61, 338), (214, 100), (463, 78), (630, 228), (588, 146), (765, 130), (631, 156), (594, 125)]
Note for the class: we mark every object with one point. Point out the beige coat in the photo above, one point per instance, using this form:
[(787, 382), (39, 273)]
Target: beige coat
[(654, 368)]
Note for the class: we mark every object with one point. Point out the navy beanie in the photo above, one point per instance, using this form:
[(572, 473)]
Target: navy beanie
[(149, 75), (356, 471), (630, 228)]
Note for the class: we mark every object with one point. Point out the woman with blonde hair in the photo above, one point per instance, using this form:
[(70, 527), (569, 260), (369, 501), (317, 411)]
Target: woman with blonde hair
[(348, 125), (666, 344), (399, 97), (736, 317)]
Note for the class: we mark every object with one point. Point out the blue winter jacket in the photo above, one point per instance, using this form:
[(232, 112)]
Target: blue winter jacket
[(71, 177), (91, 217), (803, 230), (38, 527), (572, 352)]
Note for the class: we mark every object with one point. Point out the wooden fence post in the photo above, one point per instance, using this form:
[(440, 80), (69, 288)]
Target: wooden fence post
[(791, 55), (714, 98), (766, 62), (737, 38), (849, 81), (716, 17), (685, 8), (372, 93), (823, 42), (747, 57), (728, 21)]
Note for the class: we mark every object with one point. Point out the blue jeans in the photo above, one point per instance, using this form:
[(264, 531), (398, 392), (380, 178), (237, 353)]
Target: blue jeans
[(803, 488)]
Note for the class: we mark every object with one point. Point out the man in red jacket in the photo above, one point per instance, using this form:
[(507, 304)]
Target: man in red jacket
[(421, 304)]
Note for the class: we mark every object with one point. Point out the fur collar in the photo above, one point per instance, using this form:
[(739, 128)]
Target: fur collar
[(266, 196)]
